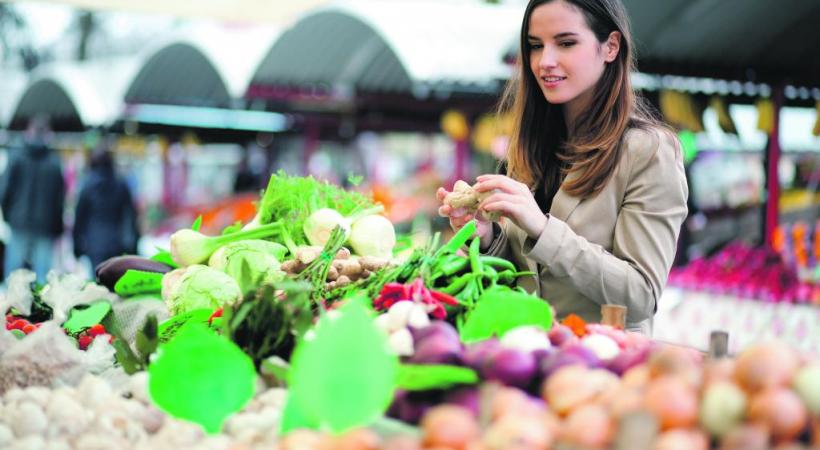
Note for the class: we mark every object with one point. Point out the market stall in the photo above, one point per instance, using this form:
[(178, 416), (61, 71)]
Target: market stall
[(309, 327)]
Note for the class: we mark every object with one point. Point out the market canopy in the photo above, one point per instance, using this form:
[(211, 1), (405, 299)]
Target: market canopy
[(75, 95), (423, 48), (200, 66), (755, 40)]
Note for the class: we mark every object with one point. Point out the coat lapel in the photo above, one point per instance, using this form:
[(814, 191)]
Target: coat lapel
[(564, 204)]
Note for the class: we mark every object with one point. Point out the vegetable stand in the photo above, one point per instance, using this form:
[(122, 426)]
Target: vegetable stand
[(288, 338)]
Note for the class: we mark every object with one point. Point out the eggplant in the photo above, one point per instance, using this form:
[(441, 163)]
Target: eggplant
[(111, 270)]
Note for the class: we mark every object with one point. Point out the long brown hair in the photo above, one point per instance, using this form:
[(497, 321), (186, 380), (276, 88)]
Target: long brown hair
[(541, 150)]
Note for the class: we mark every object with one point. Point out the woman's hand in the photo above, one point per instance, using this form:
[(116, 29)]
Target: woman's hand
[(460, 216), (514, 201)]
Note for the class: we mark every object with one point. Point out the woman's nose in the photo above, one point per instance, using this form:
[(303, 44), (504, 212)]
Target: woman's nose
[(548, 59)]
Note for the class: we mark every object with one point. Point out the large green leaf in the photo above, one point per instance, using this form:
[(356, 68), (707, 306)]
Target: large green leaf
[(424, 377), (201, 377), (135, 282), (343, 376), (164, 256), (501, 309), (168, 329), (82, 318)]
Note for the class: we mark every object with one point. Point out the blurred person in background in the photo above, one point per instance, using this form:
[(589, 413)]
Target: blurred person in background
[(105, 223), (33, 195), (594, 193)]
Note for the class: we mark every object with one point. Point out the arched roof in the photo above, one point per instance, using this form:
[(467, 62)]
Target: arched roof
[(89, 94), (408, 46), (201, 65)]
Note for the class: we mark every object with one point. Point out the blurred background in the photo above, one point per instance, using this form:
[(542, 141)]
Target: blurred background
[(198, 101)]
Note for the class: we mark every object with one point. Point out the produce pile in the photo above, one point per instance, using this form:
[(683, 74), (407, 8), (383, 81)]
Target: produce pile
[(310, 328)]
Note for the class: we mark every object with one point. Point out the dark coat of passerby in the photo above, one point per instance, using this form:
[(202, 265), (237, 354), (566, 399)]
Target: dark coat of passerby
[(33, 194), (105, 222)]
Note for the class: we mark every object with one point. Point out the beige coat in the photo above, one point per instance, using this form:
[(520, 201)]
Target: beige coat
[(614, 248)]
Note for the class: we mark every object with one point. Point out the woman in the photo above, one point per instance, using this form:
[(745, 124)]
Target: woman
[(594, 193)]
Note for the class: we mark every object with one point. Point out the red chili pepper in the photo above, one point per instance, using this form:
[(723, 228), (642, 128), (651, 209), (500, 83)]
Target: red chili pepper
[(438, 311), (444, 298), (96, 330), (390, 294), (217, 313)]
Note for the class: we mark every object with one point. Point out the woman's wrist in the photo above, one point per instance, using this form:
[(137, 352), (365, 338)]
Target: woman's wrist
[(489, 237), (534, 232)]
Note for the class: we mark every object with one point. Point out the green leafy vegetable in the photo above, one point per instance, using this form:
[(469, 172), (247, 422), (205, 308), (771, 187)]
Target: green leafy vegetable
[(196, 287), (135, 282), (342, 377), (290, 200), (424, 377), (85, 317), (201, 377), (501, 309)]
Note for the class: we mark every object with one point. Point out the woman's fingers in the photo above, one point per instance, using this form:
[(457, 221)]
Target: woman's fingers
[(500, 182), (441, 193), (444, 210)]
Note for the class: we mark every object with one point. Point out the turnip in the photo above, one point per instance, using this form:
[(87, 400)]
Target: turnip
[(437, 349), (568, 356), (466, 397), (604, 347), (435, 327), (511, 367), (479, 353), (627, 359), (526, 339), (560, 335)]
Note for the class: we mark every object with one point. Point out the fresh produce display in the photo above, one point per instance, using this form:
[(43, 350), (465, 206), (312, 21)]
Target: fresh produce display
[(747, 272), (303, 333)]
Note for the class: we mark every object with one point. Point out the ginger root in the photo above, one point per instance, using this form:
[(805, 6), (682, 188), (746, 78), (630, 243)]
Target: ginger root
[(464, 196)]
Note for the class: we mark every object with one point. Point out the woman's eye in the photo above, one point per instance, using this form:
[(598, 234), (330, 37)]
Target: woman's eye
[(567, 44), (536, 46)]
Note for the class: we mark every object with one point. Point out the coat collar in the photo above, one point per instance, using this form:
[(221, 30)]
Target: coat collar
[(563, 204)]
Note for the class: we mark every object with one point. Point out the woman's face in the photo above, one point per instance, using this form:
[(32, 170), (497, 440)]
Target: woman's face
[(565, 57)]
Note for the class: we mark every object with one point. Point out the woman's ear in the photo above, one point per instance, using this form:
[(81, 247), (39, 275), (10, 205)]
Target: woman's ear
[(612, 46)]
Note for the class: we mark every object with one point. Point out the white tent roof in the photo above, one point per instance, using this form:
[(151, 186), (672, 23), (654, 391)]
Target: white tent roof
[(410, 45), (91, 90), (202, 64)]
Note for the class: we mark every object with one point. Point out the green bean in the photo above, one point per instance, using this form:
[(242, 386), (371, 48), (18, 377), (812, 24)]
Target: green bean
[(475, 262), (499, 263), (458, 284), (453, 265)]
